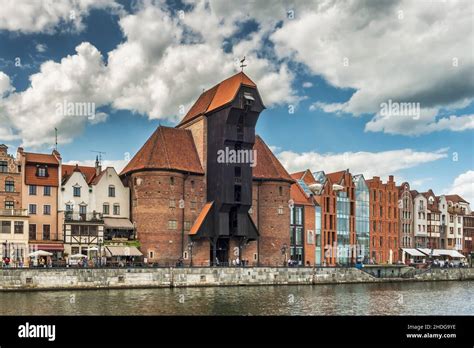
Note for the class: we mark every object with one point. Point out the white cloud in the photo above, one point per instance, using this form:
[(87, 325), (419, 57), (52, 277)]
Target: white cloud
[(46, 16), (307, 85), (159, 70), (463, 185), (407, 51), (368, 163), (5, 84), (41, 47)]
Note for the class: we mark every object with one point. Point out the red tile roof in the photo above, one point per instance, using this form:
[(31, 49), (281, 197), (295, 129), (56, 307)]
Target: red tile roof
[(167, 149), (217, 97), (40, 158), (67, 170), (336, 177), (455, 199), (31, 162), (268, 166), (298, 196)]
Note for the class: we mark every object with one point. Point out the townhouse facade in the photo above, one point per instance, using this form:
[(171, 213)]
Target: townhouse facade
[(95, 206), (406, 216), (40, 195), (384, 231), (13, 218)]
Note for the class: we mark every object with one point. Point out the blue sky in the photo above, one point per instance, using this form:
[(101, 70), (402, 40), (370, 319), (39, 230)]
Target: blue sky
[(334, 64)]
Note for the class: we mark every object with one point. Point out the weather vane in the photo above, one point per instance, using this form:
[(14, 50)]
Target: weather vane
[(242, 65)]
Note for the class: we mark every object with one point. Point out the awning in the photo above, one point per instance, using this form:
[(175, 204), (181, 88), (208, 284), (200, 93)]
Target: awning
[(118, 223), (448, 252), (201, 218), (413, 252), (426, 251), (122, 251), (50, 247)]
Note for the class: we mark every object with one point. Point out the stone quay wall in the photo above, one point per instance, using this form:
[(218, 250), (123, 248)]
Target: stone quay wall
[(110, 278)]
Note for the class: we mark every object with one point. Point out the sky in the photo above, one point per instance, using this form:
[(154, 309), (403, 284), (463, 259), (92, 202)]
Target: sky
[(334, 76)]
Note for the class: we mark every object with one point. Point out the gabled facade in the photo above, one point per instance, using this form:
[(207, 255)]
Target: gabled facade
[(384, 232), (406, 218), (13, 218), (95, 206), (40, 195), (305, 221)]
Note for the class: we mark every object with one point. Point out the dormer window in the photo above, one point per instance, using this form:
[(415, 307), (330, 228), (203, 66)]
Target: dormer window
[(42, 171), (248, 99)]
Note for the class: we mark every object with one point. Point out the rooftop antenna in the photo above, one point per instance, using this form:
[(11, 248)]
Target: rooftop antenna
[(99, 155), (242, 65), (56, 138)]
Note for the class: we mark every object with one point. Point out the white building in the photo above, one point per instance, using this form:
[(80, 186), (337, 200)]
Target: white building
[(96, 209), (453, 208), (420, 220)]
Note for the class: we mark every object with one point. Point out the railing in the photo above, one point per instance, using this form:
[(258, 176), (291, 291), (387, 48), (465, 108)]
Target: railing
[(13, 212), (89, 217)]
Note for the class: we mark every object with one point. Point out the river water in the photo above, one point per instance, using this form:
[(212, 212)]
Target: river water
[(407, 298)]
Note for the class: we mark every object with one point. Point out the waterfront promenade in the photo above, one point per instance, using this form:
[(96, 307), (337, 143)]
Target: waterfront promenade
[(113, 278)]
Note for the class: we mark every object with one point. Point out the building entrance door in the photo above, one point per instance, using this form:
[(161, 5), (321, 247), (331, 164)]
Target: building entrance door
[(222, 252)]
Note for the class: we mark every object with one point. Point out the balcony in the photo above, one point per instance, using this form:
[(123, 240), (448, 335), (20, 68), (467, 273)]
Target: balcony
[(14, 212), (89, 217)]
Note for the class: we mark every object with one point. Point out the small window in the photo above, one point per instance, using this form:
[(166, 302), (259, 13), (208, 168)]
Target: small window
[(42, 172), (32, 190), (106, 209), (83, 209), (116, 209), (9, 186), (19, 226), (69, 208), (192, 184), (280, 190), (172, 224), (172, 203), (237, 172), (32, 209), (187, 225), (9, 205), (47, 191), (185, 255), (193, 205), (6, 227), (171, 180), (76, 191), (111, 191), (3, 167), (151, 254), (237, 193), (46, 209), (280, 210)]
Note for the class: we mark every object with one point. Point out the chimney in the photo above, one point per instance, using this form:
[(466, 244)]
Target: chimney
[(390, 178), (98, 167)]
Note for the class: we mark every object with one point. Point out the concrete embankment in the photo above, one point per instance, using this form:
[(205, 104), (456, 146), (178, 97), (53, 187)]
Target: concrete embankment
[(73, 278)]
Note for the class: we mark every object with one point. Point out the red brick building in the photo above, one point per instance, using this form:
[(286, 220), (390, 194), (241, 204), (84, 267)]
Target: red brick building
[(210, 191), (384, 232)]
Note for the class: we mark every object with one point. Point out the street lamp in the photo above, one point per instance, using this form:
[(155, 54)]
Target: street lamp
[(100, 252), (190, 248), (283, 252)]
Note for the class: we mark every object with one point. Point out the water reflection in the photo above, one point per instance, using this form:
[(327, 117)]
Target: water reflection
[(434, 298)]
